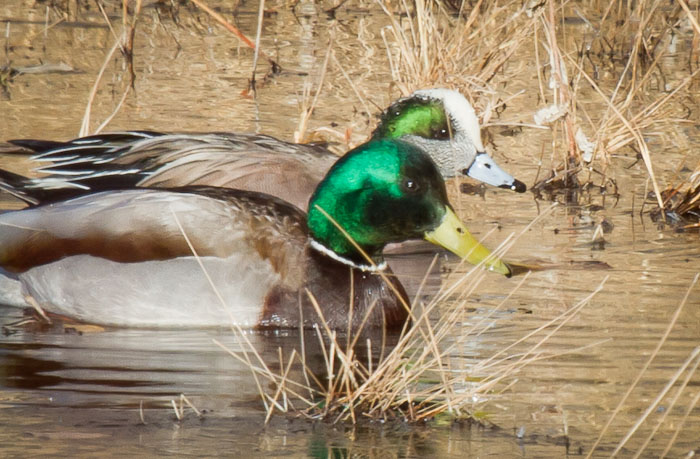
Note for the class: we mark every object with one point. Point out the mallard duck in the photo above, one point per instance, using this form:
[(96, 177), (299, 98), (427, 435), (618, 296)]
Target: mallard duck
[(127, 257), (440, 121)]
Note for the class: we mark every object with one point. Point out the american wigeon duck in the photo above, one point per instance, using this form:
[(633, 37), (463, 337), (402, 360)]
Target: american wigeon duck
[(440, 121), (127, 257)]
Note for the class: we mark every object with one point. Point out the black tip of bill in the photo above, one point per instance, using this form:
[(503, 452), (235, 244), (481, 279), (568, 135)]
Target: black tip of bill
[(517, 186), (485, 169)]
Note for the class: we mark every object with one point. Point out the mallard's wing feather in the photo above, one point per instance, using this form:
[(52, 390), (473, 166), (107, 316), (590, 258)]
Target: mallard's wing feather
[(65, 254)]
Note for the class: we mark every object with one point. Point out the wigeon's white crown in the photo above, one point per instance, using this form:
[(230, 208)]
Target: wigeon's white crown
[(459, 109)]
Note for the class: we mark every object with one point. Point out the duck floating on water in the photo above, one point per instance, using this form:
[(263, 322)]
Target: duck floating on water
[(163, 257), (441, 121)]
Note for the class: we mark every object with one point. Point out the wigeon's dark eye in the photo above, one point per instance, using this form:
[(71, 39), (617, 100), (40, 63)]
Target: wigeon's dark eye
[(440, 131), (410, 185), (441, 134)]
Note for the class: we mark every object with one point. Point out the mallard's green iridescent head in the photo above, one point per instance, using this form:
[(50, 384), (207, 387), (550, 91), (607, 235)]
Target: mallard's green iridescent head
[(383, 191), (387, 191)]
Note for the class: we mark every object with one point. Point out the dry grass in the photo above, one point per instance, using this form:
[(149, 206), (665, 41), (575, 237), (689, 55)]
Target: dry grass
[(604, 87), (424, 374), (622, 116), (428, 46)]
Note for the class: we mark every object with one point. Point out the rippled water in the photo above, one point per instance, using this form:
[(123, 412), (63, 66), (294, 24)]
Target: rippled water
[(68, 391)]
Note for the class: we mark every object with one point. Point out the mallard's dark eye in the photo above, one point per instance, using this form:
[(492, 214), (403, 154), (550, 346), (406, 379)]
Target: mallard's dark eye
[(410, 185)]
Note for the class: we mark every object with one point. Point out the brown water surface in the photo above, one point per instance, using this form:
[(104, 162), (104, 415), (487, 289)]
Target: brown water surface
[(67, 392)]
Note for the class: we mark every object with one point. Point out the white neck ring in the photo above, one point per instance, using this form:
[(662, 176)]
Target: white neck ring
[(328, 252)]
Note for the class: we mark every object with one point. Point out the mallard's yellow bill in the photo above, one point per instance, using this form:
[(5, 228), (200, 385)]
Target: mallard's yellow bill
[(454, 236)]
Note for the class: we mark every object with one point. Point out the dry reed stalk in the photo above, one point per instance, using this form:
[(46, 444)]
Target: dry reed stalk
[(560, 85), (634, 384), (691, 18), (85, 125), (178, 414), (142, 417), (307, 108), (555, 325), (672, 403), (236, 328), (426, 47), (190, 404), (355, 89), (125, 42), (281, 387), (258, 33), (29, 38), (368, 259), (178, 409), (681, 203), (234, 30), (39, 310), (691, 406)]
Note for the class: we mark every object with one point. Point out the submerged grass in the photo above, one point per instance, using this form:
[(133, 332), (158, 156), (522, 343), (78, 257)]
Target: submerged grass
[(681, 203)]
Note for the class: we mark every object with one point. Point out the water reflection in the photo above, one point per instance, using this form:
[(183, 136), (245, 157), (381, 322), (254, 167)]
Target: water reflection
[(123, 367), (115, 366)]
